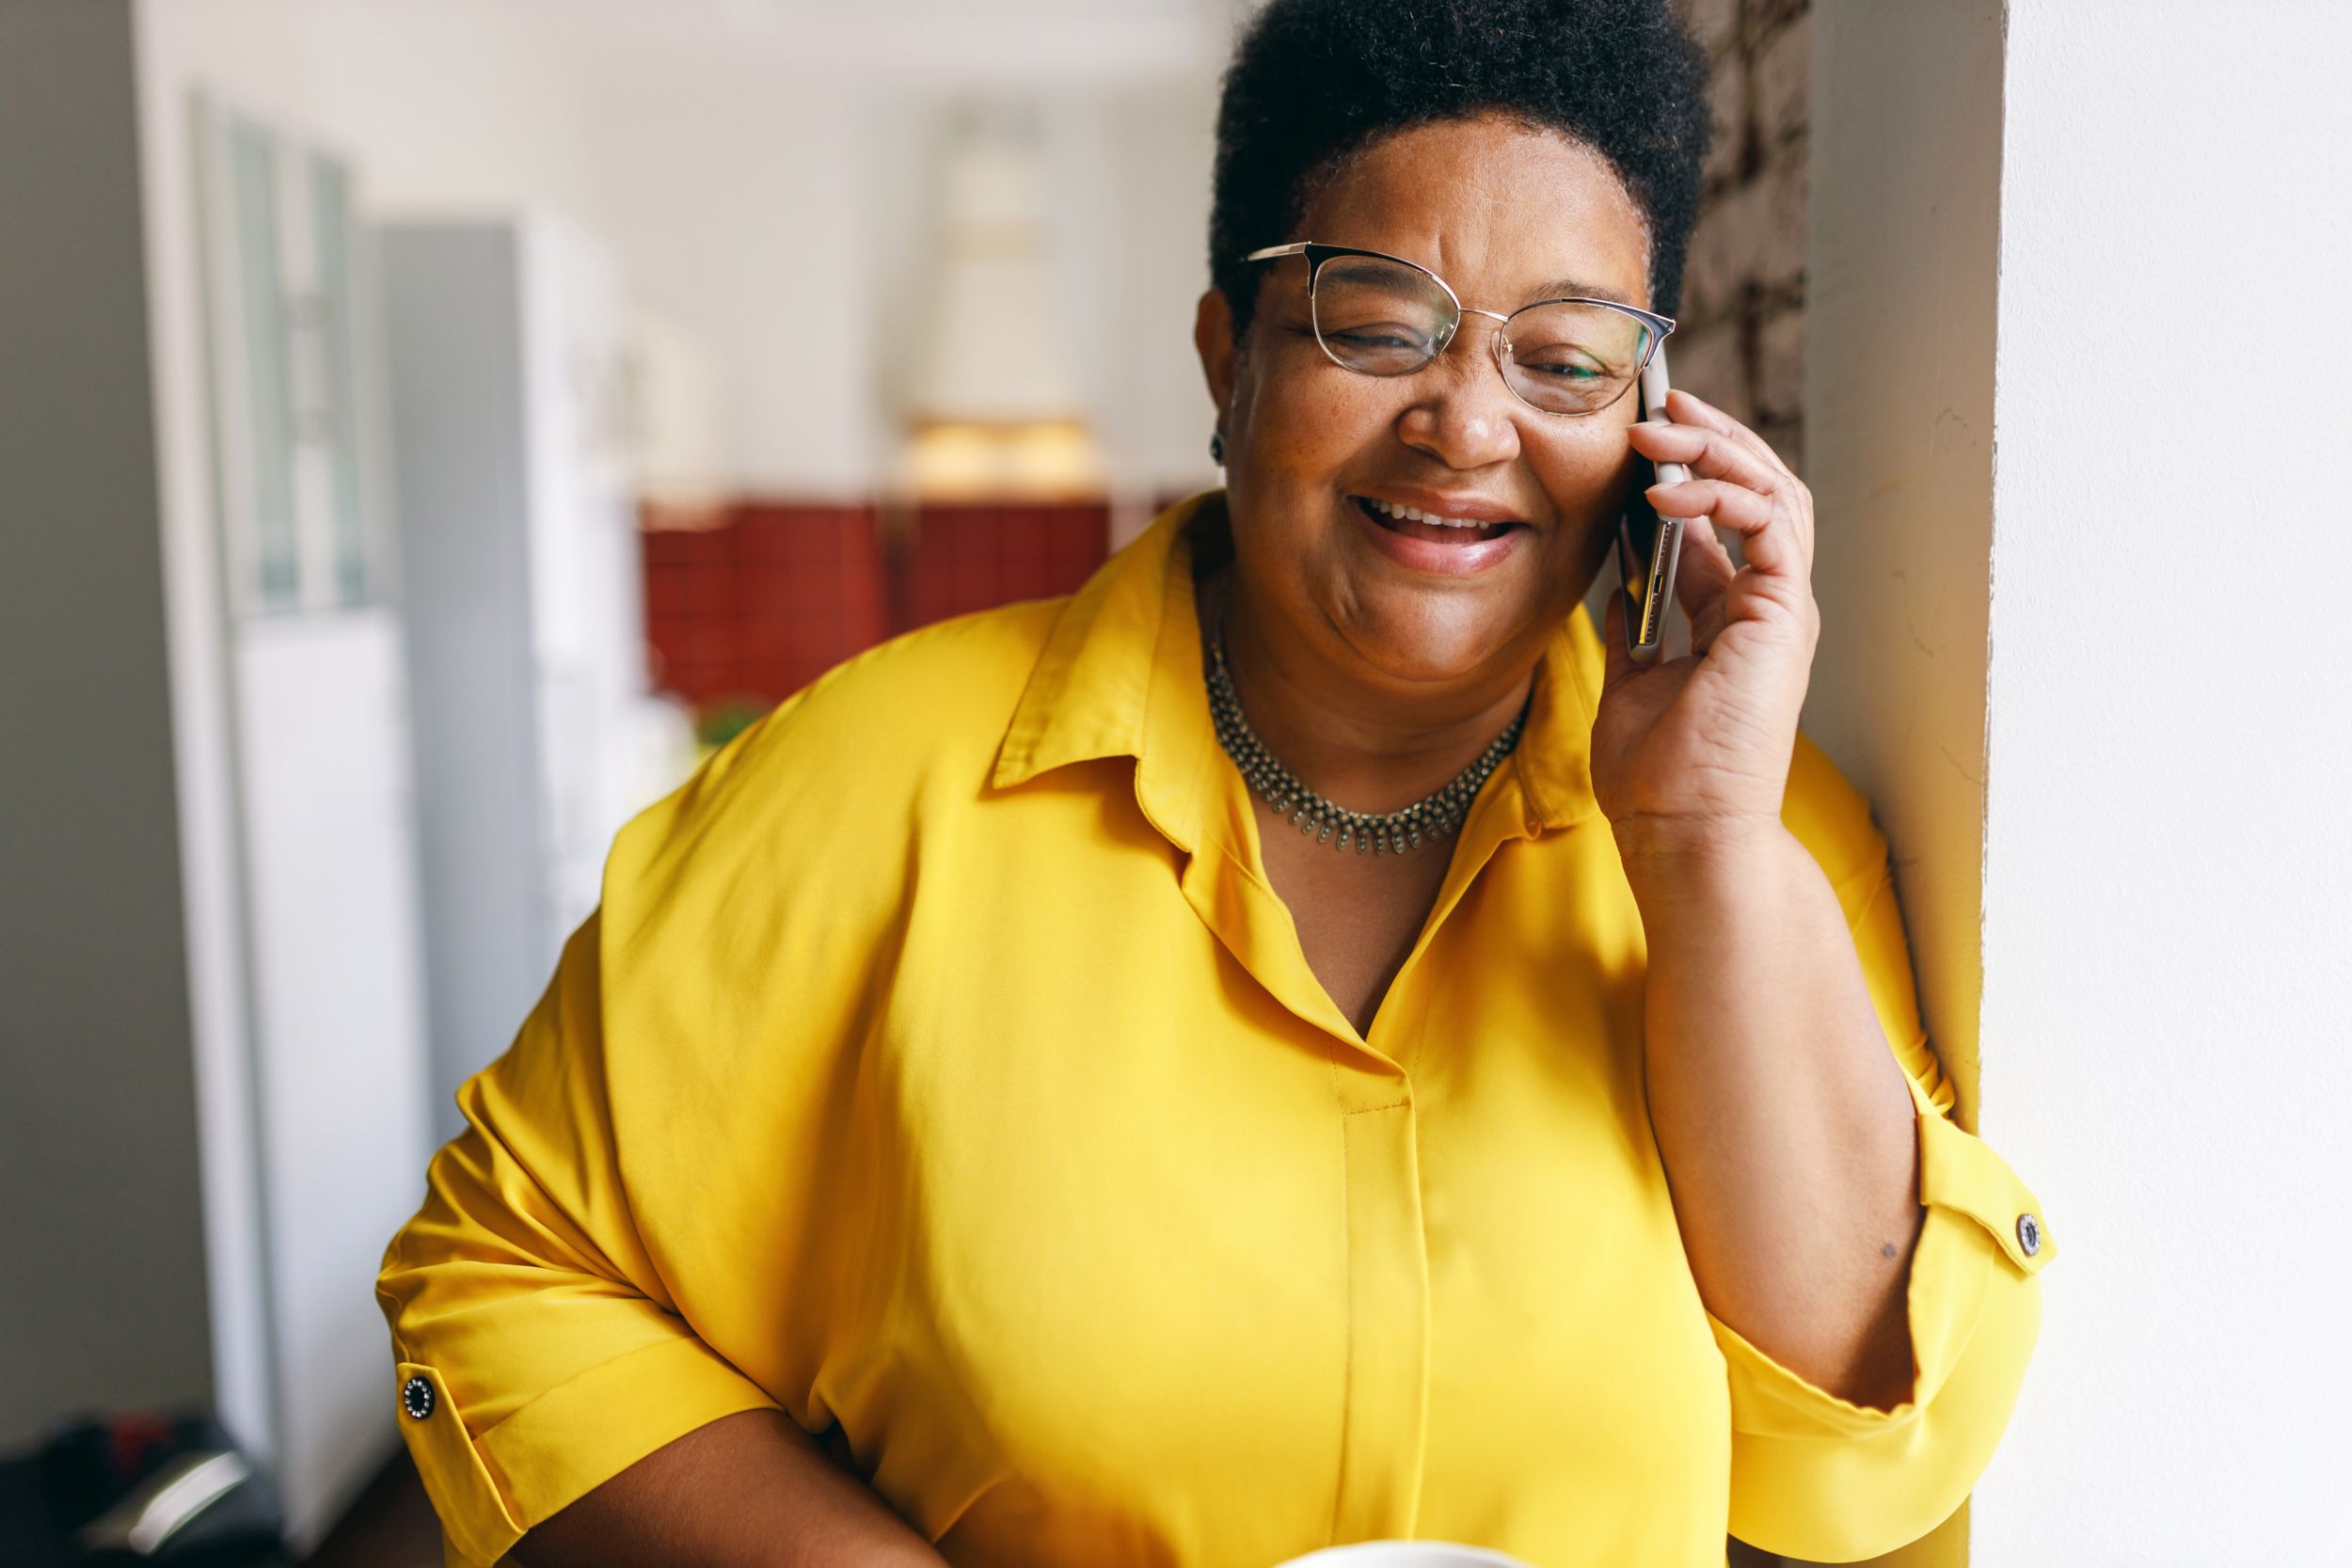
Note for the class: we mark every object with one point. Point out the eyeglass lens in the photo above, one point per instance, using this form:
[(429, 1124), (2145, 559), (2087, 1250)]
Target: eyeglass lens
[(1383, 318)]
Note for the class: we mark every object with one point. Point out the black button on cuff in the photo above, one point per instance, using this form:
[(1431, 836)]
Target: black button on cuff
[(2029, 1234), (416, 1397)]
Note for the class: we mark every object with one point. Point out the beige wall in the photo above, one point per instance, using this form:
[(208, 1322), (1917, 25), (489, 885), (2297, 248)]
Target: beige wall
[(1742, 344)]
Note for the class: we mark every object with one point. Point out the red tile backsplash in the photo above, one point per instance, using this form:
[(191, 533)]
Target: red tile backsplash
[(970, 557), (754, 608)]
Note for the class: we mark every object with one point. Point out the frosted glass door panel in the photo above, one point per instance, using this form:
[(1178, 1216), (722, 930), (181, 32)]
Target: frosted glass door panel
[(298, 528)]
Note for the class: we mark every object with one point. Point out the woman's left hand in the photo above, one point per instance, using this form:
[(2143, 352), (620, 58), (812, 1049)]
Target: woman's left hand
[(1693, 750)]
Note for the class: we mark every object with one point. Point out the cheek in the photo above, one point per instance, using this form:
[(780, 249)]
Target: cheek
[(1309, 417), (1587, 482)]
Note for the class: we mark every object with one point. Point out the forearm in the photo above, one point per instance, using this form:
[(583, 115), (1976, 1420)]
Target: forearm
[(1783, 1119), (749, 1491)]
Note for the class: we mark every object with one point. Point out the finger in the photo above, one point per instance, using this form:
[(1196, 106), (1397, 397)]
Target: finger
[(1787, 490), (1710, 557), (1767, 536), (1730, 504), (1703, 575), (1727, 450), (1708, 453), (1695, 409)]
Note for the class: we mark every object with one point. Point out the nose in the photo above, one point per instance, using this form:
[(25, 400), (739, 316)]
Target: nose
[(1462, 412)]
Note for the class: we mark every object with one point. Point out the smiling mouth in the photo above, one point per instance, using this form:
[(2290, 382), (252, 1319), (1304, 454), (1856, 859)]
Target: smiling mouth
[(1415, 524)]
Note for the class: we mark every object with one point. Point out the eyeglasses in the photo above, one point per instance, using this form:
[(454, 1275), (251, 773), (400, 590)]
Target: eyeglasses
[(1383, 315)]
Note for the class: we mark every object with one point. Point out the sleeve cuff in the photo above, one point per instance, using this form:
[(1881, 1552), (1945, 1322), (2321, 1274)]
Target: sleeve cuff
[(1983, 1228), (489, 1488)]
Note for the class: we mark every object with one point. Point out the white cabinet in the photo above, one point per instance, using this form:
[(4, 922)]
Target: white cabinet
[(338, 1024), (521, 591)]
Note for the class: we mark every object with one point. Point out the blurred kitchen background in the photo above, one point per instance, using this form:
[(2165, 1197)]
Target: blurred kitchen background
[(426, 427)]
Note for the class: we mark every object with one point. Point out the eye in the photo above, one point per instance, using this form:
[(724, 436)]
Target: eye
[(1562, 364), (1385, 335)]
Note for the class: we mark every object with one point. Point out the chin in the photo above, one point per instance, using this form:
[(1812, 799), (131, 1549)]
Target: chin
[(1429, 636)]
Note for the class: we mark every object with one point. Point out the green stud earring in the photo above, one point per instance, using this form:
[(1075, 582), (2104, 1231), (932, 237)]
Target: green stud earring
[(1216, 447)]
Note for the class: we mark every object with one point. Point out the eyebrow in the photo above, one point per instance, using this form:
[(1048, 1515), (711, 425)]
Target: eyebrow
[(1563, 287), (1559, 288)]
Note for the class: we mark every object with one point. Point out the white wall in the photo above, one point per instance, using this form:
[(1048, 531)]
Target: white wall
[(787, 226), (769, 190), (1153, 161), (442, 103), (2168, 1008), (453, 105), (1906, 146), (749, 220), (2166, 711)]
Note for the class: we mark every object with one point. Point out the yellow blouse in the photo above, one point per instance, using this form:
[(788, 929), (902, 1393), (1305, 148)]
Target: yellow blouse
[(942, 1068)]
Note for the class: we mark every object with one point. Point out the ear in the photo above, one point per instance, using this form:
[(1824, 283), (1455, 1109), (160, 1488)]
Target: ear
[(1213, 337)]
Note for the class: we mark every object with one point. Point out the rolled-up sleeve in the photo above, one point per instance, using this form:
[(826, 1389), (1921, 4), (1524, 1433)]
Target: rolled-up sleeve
[(538, 1351), (1817, 1477)]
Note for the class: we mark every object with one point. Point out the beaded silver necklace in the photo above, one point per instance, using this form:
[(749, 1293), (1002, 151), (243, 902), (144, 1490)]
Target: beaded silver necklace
[(1428, 820)]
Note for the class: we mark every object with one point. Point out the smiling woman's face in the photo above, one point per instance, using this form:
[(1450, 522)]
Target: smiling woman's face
[(1497, 211)]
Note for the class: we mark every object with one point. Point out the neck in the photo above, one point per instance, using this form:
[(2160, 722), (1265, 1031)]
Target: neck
[(1364, 747)]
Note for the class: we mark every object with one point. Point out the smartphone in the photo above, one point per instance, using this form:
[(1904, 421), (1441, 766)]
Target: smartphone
[(1648, 546)]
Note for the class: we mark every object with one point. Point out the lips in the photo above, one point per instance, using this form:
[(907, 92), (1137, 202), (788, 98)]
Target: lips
[(1420, 523), (1433, 544)]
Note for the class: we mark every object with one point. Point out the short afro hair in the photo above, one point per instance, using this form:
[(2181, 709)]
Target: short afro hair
[(1313, 81)]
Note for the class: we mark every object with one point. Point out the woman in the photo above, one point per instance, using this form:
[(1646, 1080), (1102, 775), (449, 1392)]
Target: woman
[(981, 1126)]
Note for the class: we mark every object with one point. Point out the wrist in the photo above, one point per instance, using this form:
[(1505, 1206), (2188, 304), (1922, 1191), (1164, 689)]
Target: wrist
[(1672, 855)]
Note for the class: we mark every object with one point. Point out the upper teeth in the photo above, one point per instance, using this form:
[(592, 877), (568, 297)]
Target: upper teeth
[(1415, 514)]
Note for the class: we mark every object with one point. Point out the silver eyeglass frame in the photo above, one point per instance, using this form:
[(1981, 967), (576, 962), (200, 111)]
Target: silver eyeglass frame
[(1662, 327)]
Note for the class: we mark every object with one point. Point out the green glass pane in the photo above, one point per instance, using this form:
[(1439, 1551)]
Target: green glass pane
[(268, 370), (330, 216)]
